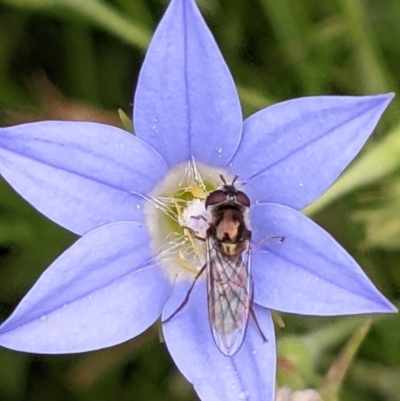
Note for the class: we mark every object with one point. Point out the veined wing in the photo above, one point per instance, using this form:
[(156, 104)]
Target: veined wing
[(229, 296)]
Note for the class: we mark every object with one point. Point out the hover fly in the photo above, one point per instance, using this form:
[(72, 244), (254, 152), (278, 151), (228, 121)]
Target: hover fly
[(229, 280), (228, 268)]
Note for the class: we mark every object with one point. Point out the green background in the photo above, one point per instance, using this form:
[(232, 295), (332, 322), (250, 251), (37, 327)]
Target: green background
[(79, 60)]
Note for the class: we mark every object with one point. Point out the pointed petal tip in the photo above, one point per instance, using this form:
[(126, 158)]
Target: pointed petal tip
[(388, 307), (386, 98), (382, 304), (377, 303), (380, 102), (390, 95)]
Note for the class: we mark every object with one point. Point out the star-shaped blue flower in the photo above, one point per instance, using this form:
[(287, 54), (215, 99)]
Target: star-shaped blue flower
[(130, 197)]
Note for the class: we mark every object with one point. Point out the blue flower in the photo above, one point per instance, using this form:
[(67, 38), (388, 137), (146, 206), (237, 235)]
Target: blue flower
[(130, 197)]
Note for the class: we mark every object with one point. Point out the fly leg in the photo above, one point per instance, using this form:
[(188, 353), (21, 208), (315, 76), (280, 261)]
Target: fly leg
[(194, 233), (262, 242), (199, 217), (253, 315), (186, 300)]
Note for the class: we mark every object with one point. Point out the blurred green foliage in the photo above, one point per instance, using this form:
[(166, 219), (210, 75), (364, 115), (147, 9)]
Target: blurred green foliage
[(79, 60)]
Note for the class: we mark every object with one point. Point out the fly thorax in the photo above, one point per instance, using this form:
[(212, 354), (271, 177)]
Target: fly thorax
[(228, 227)]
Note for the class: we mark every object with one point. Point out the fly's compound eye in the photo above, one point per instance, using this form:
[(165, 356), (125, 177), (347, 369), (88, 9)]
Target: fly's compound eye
[(243, 199), (215, 198)]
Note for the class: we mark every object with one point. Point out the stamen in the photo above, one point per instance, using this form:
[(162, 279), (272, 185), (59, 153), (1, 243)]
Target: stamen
[(169, 211)]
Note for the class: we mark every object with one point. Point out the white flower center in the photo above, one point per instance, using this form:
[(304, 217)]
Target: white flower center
[(177, 220)]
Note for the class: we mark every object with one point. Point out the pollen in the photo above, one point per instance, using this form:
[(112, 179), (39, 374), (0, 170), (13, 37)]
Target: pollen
[(177, 220)]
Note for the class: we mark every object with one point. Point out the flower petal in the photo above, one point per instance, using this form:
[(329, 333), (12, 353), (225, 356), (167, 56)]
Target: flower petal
[(293, 151), (81, 175), (186, 103), (248, 375), (100, 292), (309, 273)]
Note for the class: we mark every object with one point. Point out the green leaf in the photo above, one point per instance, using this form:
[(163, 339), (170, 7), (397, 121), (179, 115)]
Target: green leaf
[(126, 121)]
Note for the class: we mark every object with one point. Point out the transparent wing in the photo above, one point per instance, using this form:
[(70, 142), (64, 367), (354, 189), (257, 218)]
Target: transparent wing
[(229, 296)]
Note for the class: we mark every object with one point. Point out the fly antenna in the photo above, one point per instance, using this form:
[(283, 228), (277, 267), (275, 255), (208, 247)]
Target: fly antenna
[(222, 179)]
